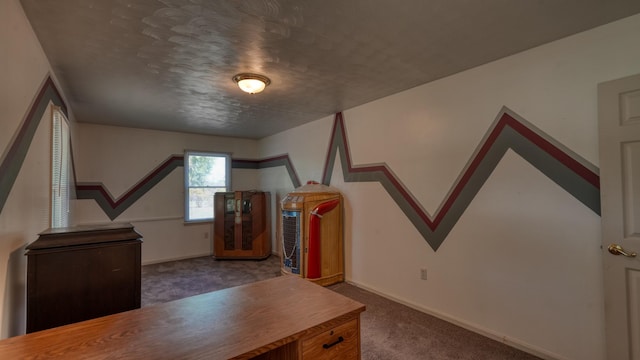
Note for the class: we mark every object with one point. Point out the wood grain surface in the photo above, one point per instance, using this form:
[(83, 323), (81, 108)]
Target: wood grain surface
[(240, 322)]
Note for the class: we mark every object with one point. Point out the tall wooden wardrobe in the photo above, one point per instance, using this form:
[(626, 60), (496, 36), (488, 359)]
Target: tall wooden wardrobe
[(241, 225)]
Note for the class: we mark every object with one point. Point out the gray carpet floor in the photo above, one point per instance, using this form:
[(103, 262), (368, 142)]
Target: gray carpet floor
[(389, 331)]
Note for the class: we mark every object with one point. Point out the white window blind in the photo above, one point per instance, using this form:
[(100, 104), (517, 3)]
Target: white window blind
[(60, 167)]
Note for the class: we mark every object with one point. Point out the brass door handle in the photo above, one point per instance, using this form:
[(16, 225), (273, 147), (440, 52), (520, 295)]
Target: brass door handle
[(616, 249)]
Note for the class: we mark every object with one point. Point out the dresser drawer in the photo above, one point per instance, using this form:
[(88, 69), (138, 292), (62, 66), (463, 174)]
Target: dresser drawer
[(341, 342)]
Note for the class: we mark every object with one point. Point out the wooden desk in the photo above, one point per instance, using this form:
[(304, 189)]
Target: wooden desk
[(281, 318)]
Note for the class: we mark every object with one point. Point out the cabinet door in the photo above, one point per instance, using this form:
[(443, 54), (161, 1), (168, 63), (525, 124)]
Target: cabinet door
[(83, 283)]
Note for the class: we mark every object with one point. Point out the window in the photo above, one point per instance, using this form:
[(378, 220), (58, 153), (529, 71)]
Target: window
[(60, 160), (204, 175)]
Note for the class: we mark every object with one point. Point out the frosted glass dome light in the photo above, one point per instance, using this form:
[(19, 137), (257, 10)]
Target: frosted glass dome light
[(251, 83)]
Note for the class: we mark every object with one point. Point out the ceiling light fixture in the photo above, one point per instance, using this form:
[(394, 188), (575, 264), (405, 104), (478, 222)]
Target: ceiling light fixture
[(251, 83)]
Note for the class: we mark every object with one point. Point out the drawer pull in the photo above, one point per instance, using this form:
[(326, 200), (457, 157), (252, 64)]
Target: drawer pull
[(326, 346)]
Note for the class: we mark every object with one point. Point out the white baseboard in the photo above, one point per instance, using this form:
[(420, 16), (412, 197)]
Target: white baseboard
[(520, 345), (157, 261)]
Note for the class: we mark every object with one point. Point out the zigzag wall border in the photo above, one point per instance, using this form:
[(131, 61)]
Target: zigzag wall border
[(112, 207), (567, 169), (14, 155), (115, 207), (280, 160)]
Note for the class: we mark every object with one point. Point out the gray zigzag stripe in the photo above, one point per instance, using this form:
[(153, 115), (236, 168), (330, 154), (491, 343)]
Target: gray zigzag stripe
[(282, 160), (435, 232), (99, 193), (14, 156), (113, 209)]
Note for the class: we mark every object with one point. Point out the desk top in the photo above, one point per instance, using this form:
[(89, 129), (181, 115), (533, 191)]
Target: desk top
[(238, 322)]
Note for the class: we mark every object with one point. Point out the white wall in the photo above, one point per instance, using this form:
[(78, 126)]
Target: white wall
[(23, 69), (523, 262), (120, 157)]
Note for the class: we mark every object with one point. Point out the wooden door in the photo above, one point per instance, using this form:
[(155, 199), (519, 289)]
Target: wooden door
[(619, 127)]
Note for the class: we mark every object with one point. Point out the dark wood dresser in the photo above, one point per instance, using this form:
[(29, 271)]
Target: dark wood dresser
[(82, 272)]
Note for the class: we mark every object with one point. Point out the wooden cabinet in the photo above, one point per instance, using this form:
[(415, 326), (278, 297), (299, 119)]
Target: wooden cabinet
[(241, 226), (80, 273)]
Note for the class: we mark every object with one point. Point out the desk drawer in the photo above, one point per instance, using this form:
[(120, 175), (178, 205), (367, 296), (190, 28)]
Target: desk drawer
[(341, 342)]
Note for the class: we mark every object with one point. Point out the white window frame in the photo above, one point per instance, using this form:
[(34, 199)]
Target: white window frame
[(188, 218), (60, 168)]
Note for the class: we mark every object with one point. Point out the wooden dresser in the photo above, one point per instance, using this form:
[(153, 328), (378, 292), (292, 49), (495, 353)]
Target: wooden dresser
[(283, 318), (80, 273)]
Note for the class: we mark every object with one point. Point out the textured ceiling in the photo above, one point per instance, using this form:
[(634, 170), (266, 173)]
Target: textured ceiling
[(168, 64)]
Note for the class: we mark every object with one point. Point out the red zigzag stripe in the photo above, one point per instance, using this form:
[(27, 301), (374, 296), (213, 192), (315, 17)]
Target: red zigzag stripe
[(584, 182)]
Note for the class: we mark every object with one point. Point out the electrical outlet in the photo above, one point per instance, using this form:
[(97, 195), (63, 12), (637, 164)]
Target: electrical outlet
[(423, 274), (206, 235)]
